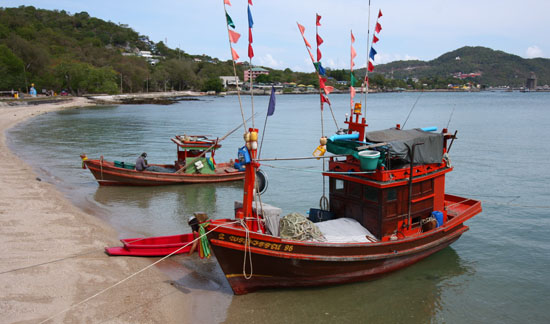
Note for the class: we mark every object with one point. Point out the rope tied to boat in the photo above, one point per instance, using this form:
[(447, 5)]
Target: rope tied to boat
[(134, 274), (248, 250)]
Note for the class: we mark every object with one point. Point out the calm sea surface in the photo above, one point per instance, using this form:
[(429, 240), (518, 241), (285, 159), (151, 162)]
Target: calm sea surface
[(498, 272)]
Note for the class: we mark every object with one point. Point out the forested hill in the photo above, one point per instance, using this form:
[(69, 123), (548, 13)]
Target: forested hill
[(57, 50), (497, 68)]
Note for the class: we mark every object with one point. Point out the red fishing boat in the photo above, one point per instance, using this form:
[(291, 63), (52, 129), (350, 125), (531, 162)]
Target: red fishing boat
[(387, 210), (195, 164)]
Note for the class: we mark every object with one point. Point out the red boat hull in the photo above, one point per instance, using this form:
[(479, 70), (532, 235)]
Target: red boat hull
[(281, 263), (153, 246), (107, 174)]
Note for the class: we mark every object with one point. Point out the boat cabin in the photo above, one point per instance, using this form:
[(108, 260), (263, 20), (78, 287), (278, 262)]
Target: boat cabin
[(196, 153), (372, 183)]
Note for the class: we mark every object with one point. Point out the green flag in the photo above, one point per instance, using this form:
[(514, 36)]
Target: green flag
[(229, 21), (352, 79)]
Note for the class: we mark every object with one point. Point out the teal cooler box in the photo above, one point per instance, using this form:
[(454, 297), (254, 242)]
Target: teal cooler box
[(369, 159)]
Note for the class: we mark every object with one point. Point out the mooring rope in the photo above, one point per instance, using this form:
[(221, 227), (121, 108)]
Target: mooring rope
[(317, 171), (130, 276), (48, 262), (247, 249)]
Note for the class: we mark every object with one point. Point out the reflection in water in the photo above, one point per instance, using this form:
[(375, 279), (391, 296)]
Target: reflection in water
[(411, 295), (163, 210)]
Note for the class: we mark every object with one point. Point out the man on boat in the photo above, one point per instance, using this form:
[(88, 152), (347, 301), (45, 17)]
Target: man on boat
[(141, 163)]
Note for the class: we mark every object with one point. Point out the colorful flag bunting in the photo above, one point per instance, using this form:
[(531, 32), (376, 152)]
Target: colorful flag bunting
[(324, 99), (371, 67), (250, 51), (271, 106), (250, 21), (319, 40), (322, 82), (318, 55), (353, 80), (318, 20), (233, 36), (301, 28), (328, 89), (234, 54), (378, 27), (379, 13), (374, 39), (229, 20), (372, 53), (319, 68)]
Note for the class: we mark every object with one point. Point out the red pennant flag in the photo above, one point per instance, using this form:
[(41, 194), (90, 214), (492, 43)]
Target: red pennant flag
[(371, 67), (319, 40), (352, 37), (250, 35), (379, 13), (226, 2), (353, 53), (307, 43), (367, 81), (235, 55), (352, 92), (378, 28), (302, 29), (322, 82), (250, 51), (318, 20), (374, 39), (328, 89), (233, 36), (324, 99), (318, 55), (250, 3)]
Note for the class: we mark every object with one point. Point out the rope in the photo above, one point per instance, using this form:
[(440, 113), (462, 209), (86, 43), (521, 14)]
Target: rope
[(247, 249), (316, 171), (125, 279), (48, 262)]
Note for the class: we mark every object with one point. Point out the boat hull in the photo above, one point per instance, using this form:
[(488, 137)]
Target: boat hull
[(107, 174), (278, 263), (153, 246)]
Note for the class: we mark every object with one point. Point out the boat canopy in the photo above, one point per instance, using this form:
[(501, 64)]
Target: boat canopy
[(399, 141)]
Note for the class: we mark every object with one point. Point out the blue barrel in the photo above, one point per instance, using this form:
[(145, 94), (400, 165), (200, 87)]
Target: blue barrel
[(438, 217)]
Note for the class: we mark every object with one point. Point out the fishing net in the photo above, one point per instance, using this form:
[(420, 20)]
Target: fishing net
[(295, 226)]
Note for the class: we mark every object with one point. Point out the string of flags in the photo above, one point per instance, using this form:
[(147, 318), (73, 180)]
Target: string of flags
[(321, 72), (375, 39), (234, 36)]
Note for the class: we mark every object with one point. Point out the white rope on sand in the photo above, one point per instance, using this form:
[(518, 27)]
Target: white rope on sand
[(127, 278)]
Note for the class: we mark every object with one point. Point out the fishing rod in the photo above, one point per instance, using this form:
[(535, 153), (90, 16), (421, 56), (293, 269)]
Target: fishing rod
[(452, 112), (412, 108)]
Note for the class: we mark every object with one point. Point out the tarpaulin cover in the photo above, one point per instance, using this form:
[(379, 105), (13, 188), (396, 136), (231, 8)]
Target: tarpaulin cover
[(399, 142)]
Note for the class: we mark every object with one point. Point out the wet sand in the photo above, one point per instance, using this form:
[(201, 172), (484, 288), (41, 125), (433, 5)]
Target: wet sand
[(52, 253)]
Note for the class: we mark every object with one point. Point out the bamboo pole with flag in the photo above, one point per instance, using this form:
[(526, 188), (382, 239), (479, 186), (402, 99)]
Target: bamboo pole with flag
[(233, 37), (250, 56)]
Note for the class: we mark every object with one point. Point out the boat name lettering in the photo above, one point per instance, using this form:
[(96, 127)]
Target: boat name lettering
[(260, 244)]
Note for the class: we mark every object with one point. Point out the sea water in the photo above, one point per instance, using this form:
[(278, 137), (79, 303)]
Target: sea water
[(497, 272)]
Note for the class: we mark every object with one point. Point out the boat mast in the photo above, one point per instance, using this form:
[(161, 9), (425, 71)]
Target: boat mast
[(366, 80)]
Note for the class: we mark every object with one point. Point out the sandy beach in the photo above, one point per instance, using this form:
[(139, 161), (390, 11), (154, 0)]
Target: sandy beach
[(52, 253)]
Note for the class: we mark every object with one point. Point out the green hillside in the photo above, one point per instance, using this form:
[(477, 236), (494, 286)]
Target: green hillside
[(497, 68)]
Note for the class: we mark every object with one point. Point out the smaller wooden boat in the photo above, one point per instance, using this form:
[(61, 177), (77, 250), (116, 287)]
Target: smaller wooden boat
[(195, 164), (153, 246)]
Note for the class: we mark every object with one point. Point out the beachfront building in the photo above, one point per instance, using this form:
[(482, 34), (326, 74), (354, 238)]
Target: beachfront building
[(254, 72), (229, 81)]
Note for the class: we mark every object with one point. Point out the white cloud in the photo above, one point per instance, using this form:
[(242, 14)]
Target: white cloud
[(533, 51), (387, 58), (269, 61)]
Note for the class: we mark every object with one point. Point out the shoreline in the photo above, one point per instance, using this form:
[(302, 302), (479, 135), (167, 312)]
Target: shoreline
[(53, 255)]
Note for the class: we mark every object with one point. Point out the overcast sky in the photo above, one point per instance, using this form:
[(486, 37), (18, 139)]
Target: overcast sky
[(422, 29)]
